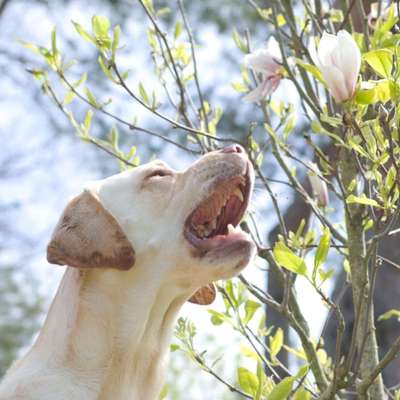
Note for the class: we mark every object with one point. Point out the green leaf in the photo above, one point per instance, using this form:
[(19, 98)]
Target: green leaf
[(250, 308), (100, 25), (334, 121), (174, 347), (240, 43), (368, 224), (282, 390), (231, 293), (83, 33), (88, 121), (390, 314), (180, 53), (30, 46), (164, 392), (247, 380), (366, 96), (381, 61), (262, 379), (325, 275), (289, 126), (143, 94), (322, 252), (239, 87), (178, 29), (54, 41), (151, 38), (149, 5), (90, 97), (115, 42), (386, 24), (299, 353), (249, 352), (302, 372), (265, 13), (163, 11), (302, 394), (105, 68), (68, 98), (312, 69), (286, 258), (363, 199), (80, 81), (276, 343), (383, 91), (114, 137), (37, 73), (336, 15), (217, 318), (281, 20)]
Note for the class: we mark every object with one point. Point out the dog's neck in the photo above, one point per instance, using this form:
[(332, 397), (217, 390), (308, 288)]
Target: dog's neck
[(112, 330)]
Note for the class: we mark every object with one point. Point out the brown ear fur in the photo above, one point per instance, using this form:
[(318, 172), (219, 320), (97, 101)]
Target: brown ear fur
[(204, 296), (88, 236)]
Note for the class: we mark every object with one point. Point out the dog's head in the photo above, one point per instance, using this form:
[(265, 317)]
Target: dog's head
[(186, 221)]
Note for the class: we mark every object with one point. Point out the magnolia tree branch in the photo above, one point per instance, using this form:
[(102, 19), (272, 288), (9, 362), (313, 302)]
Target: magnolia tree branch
[(195, 69), (174, 124), (360, 281), (369, 380)]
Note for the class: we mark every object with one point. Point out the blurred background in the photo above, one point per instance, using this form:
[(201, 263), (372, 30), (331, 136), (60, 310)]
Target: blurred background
[(43, 163)]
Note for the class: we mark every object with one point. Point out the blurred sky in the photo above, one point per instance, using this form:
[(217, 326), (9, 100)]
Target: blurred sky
[(45, 164)]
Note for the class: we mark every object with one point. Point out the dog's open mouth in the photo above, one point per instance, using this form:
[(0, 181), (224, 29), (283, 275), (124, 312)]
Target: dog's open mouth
[(214, 222)]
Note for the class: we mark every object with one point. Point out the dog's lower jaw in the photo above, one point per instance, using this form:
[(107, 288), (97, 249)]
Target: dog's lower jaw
[(100, 349)]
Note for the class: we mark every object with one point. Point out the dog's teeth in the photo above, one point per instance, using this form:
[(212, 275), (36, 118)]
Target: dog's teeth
[(213, 224), (238, 193), (231, 229), (200, 230)]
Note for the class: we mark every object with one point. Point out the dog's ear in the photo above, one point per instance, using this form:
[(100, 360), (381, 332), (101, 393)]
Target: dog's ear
[(88, 236), (204, 296)]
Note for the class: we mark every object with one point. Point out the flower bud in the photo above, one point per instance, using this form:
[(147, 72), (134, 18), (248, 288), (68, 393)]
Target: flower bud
[(318, 186), (339, 60)]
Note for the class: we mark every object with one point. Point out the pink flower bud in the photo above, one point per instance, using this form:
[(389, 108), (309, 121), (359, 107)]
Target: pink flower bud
[(339, 60), (318, 186)]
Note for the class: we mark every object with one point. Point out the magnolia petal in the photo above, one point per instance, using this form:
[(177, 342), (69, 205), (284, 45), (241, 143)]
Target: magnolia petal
[(255, 95), (266, 87), (336, 83), (274, 49), (327, 46), (320, 190), (261, 61), (350, 59), (318, 185)]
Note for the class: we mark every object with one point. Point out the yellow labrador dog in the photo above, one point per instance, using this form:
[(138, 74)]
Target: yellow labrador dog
[(137, 246)]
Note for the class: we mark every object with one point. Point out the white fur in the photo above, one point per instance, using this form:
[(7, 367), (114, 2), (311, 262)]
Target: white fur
[(107, 332)]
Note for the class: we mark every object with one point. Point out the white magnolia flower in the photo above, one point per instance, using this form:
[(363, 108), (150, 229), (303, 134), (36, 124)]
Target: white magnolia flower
[(339, 60), (318, 185), (268, 63)]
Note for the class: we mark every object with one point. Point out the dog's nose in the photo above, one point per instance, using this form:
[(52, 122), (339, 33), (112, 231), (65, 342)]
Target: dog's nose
[(234, 148)]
